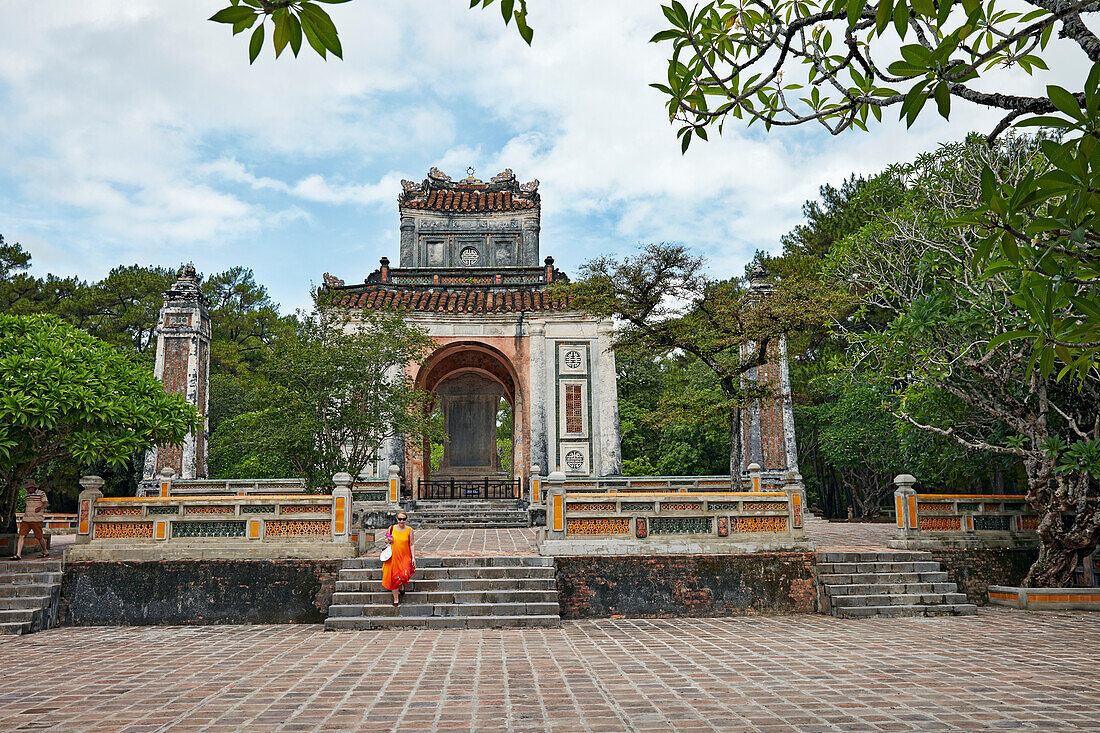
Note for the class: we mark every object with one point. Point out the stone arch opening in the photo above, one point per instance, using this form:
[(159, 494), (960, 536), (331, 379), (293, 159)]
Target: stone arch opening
[(469, 380)]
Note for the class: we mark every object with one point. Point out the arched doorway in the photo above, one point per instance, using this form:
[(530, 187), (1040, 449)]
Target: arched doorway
[(471, 382)]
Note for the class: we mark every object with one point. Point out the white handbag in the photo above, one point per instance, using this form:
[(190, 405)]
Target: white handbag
[(386, 554)]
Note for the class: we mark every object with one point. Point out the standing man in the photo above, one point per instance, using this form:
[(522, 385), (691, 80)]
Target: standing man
[(33, 517)]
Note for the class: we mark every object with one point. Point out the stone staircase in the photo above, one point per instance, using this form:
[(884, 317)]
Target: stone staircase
[(468, 514), (862, 584), (448, 593), (29, 594)]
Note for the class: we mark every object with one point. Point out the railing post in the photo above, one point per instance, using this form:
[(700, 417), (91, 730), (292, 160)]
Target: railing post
[(536, 484), (165, 481), (792, 484), (85, 517), (905, 506), (754, 476), (341, 506), (555, 505), (395, 484)]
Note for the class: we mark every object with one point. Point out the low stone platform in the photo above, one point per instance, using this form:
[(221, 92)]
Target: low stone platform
[(807, 674), (129, 551)]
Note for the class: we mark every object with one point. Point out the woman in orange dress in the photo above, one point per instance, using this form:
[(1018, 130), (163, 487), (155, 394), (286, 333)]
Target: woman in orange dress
[(397, 571)]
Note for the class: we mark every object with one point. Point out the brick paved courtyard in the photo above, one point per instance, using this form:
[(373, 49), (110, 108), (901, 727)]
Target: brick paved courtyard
[(432, 542), (995, 671)]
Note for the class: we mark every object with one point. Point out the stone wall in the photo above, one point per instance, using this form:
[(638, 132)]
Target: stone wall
[(685, 585), (975, 570), (197, 592)]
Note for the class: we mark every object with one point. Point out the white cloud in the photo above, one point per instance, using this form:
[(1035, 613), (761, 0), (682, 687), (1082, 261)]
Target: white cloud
[(141, 126)]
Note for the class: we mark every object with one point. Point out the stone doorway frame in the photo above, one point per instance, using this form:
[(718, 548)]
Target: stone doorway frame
[(452, 360)]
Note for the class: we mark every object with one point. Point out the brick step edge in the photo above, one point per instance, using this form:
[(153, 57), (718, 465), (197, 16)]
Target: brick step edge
[(535, 561), (14, 628), (887, 589), (439, 610), (898, 599), (875, 556), (949, 609), (357, 623)]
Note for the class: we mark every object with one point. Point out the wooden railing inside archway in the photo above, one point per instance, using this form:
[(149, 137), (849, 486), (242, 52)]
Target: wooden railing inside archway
[(472, 489)]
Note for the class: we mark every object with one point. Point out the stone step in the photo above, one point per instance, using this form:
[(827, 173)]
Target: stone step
[(459, 585), (865, 589), (852, 568), (888, 578), (351, 623), (846, 557), (18, 615), (14, 628), (472, 523), (898, 599), (950, 609), (24, 590), (32, 578), (379, 597), (444, 609), (455, 573), (29, 566), (458, 562), (20, 602)]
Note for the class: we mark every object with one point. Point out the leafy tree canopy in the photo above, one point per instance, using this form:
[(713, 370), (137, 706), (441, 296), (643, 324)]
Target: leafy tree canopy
[(335, 390), (66, 394)]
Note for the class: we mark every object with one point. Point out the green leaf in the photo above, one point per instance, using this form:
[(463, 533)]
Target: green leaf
[(855, 9), (232, 14), (282, 30), (1064, 101), (311, 36), (943, 99), (256, 43)]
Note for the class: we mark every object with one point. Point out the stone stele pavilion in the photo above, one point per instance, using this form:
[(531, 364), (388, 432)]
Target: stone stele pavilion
[(471, 276)]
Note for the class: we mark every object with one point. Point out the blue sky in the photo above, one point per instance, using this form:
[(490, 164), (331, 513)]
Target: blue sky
[(136, 132)]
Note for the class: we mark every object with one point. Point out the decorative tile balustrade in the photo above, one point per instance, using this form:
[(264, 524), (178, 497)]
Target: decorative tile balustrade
[(704, 515), (259, 517), (950, 520)]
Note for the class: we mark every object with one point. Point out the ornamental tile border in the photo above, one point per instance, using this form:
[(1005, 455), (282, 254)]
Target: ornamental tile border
[(597, 526), (208, 529)]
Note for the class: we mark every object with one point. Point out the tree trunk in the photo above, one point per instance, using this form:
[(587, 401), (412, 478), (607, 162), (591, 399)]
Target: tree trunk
[(1062, 548)]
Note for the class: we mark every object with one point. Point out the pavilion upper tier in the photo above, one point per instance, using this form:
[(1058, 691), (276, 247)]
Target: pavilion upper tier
[(466, 246)]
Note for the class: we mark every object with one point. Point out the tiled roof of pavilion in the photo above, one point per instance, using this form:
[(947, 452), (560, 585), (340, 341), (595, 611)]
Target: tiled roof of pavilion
[(380, 297), (470, 195), (452, 289)]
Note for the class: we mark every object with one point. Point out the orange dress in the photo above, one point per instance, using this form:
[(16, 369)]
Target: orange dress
[(399, 568)]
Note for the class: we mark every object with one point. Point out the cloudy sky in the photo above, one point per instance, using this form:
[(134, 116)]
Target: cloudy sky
[(133, 131)]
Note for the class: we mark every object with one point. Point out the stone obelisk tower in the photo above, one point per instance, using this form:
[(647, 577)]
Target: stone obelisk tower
[(767, 429), (183, 365)]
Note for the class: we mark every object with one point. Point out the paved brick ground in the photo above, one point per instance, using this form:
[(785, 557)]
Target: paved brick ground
[(490, 542), (998, 670), (838, 536), (430, 542)]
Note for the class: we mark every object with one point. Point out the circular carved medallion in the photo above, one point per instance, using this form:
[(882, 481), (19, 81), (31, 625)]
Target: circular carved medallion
[(574, 459), (573, 359), (469, 256)]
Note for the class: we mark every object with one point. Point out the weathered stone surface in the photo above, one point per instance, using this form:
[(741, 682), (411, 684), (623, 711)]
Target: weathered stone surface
[(197, 592), (681, 585), (975, 570)]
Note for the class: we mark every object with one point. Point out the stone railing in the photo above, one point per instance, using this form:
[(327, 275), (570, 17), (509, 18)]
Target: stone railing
[(166, 484), (670, 522), (931, 521), (652, 484), (290, 525), (375, 502), (54, 522)]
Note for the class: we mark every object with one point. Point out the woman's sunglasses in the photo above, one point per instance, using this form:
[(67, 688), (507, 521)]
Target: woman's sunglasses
[(402, 519)]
